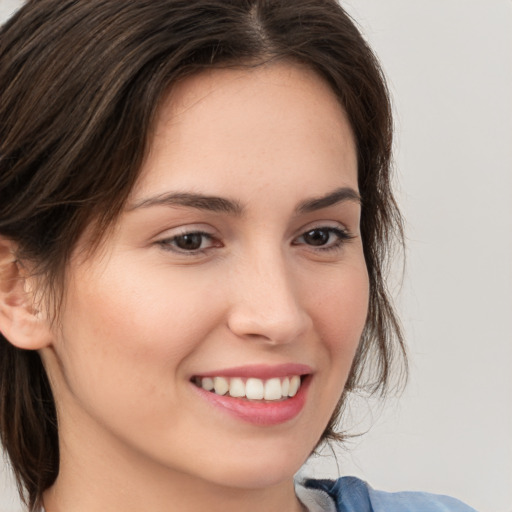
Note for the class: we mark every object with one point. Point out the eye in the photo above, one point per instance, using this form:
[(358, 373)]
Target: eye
[(323, 238), (191, 242)]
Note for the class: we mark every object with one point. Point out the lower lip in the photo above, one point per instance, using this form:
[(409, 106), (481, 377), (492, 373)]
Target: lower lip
[(259, 412)]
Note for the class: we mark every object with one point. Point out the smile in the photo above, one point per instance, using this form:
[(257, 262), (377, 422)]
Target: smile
[(259, 394), (252, 388)]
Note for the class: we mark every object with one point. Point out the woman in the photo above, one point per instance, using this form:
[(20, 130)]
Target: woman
[(195, 218)]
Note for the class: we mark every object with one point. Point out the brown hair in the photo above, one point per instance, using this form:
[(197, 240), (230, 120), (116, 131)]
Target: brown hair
[(80, 85)]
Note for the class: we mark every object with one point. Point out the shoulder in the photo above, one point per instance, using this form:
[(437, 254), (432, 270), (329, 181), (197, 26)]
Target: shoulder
[(354, 495)]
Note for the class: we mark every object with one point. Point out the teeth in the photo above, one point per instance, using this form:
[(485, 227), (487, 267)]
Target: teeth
[(285, 386), (220, 385), (236, 388), (252, 388), (273, 390), (294, 385), (207, 384)]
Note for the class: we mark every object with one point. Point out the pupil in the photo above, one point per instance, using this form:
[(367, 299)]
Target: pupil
[(316, 237), (189, 242)]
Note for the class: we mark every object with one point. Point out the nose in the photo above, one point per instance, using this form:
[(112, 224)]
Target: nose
[(266, 301)]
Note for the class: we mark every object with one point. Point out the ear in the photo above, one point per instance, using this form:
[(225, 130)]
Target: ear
[(20, 322)]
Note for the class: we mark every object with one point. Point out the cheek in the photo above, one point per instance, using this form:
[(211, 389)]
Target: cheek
[(340, 313), (339, 310), (138, 308), (343, 307), (126, 330)]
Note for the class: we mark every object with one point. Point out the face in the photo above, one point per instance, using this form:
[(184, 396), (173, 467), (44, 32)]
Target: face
[(238, 265)]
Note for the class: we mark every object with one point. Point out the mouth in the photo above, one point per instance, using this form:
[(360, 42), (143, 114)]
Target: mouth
[(262, 396), (252, 388)]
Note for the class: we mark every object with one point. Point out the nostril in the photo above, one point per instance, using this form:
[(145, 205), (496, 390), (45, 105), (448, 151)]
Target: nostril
[(274, 327)]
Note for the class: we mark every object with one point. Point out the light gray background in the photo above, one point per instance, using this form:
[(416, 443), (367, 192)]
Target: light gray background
[(449, 64)]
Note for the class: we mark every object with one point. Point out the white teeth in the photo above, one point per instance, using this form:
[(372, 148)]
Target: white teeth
[(285, 386), (207, 383), (273, 390), (252, 388), (236, 387), (294, 385), (221, 385)]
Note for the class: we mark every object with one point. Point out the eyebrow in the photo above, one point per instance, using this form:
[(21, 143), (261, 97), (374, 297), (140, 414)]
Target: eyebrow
[(337, 196), (191, 200), (223, 205)]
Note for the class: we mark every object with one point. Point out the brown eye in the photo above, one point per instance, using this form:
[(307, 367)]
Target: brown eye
[(317, 237), (189, 242), (323, 238), (193, 242)]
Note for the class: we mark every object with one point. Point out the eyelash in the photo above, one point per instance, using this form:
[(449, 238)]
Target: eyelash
[(343, 236), (168, 244)]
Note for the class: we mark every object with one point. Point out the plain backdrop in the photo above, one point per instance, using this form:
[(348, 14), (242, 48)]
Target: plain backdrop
[(449, 66)]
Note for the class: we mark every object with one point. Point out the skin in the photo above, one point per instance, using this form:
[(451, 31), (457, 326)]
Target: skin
[(141, 317)]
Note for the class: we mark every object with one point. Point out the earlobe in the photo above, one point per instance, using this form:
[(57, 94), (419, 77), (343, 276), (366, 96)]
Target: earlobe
[(20, 322)]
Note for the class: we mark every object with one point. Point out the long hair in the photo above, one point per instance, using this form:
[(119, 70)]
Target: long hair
[(81, 82)]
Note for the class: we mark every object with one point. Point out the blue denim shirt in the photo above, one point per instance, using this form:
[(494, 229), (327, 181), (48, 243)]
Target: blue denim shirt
[(350, 494)]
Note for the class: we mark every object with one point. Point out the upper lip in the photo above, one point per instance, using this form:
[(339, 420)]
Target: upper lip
[(260, 371)]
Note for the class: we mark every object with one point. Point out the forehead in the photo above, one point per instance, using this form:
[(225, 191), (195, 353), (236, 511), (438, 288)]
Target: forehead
[(238, 122)]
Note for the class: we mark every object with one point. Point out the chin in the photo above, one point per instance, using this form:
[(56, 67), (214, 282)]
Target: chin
[(269, 469), (256, 476)]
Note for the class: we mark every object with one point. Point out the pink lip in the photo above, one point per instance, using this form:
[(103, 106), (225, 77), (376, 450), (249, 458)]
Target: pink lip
[(261, 371), (256, 412), (259, 412)]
